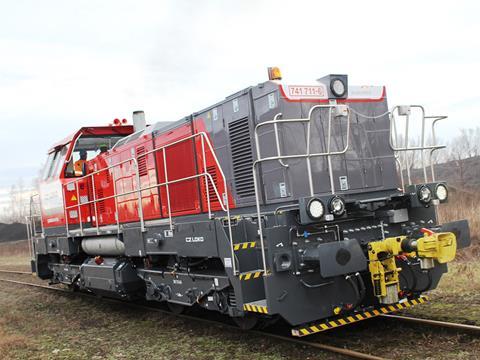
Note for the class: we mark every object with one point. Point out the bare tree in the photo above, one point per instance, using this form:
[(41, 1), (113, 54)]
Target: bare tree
[(463, 147), (16, 210)]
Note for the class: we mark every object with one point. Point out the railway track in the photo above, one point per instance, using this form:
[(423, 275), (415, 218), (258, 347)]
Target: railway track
[(436, 323), (333, 349), (346, 352), (15, 272)]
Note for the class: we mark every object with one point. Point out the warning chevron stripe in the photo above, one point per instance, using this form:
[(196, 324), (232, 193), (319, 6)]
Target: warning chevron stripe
[(255, 308), (250, 275), (327, 325), (244, 246)]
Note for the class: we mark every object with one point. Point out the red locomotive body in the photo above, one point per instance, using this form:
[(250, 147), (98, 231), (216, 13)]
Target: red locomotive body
[(92, 197)]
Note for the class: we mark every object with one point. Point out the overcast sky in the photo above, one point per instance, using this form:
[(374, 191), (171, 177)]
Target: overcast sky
[(66, 64)]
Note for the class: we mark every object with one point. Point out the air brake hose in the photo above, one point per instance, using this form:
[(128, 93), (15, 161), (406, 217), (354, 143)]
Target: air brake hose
[(414, 278), (429, 283), (314, 286), (354, 286), (363, 289)]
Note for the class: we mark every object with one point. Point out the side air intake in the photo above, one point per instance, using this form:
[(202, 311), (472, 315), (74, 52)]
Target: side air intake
[(242, 157)]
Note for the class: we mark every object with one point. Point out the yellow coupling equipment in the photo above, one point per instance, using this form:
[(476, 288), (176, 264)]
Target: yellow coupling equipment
[(440, 247)]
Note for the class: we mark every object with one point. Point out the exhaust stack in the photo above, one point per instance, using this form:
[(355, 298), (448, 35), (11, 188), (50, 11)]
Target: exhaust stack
[(139, 120)]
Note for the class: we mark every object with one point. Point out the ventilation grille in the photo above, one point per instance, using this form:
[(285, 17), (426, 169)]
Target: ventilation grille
[(100, 204), (98, 195), (107, 175), (231, 298), (242, 157), (212, 170), (142, 161)]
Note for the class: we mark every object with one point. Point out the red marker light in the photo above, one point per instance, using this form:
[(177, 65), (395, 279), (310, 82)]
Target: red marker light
[(124, 121), (116, 122), (98, 260), (426, 231)]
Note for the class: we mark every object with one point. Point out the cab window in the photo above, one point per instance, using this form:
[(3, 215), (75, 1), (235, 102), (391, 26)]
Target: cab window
[(92, 145), (54, 164), (60, 161), (48, 166)]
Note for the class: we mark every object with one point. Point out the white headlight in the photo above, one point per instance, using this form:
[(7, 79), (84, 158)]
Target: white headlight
[(315, 209), (441, 192), (337, 206), (337, 87), (424, 194)]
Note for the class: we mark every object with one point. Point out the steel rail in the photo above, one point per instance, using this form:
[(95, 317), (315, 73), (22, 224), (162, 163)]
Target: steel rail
[(422, 321), (438, 323), (34, 285), (15, 272), (342, 351)]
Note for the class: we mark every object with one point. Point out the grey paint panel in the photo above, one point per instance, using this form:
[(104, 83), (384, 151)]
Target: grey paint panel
[(192, 239), (342, 257)]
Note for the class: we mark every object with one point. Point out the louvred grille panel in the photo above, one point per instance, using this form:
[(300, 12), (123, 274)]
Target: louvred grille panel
[(242, 157)]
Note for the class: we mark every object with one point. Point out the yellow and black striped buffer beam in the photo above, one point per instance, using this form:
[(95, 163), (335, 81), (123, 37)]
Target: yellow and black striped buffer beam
[(255, 308), (244, 246), (355, 317), (250, 275)]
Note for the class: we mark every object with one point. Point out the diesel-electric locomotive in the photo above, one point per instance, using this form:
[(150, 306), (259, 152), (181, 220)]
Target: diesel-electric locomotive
[(294, 202)]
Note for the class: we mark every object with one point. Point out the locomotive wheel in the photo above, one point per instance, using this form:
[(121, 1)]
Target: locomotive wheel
[(266, 322), (247, 322), (177, 309)]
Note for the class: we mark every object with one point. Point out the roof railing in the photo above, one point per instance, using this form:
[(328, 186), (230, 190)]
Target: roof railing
[(404, 163)]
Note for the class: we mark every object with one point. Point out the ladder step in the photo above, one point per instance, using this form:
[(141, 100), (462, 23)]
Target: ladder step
[(250, 275), (244, 246), (345, 320), (256, 306)]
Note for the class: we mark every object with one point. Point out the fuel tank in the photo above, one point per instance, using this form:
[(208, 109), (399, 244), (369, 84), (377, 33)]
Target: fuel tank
[(104, 245)]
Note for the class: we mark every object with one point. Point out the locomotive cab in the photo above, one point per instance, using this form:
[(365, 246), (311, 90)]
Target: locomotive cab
[(59, 168)]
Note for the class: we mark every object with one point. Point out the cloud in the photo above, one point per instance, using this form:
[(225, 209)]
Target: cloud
[(68, 65)]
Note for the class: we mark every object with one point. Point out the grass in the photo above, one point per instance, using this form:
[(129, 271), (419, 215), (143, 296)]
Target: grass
[(43, 325), (37, 324), (464, 206), (15, 255)]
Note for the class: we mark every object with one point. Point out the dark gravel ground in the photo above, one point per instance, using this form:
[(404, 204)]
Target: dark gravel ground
[(12, 232)]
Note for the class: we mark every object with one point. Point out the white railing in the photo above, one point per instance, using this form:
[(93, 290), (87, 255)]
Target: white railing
[(31, 223), (404, 163), (307, 156), (222, 200)]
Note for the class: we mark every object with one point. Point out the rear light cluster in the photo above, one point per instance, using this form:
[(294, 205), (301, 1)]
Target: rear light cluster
[(428, 192)]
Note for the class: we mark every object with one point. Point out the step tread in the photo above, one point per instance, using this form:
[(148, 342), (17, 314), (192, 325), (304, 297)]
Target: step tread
[(342, 320), (259, 306), (250, 275)]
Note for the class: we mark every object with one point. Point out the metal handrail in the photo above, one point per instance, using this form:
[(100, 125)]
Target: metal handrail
[(224, 202), (306, 156), (95, 200), (29, 236), (406, 147), (31, 223)]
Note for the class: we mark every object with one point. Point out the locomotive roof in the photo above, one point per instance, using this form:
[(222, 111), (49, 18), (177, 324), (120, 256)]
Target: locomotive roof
[(94, 130), (358, 93)]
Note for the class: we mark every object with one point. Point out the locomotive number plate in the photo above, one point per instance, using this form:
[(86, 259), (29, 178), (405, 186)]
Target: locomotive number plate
[(306, 92)]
